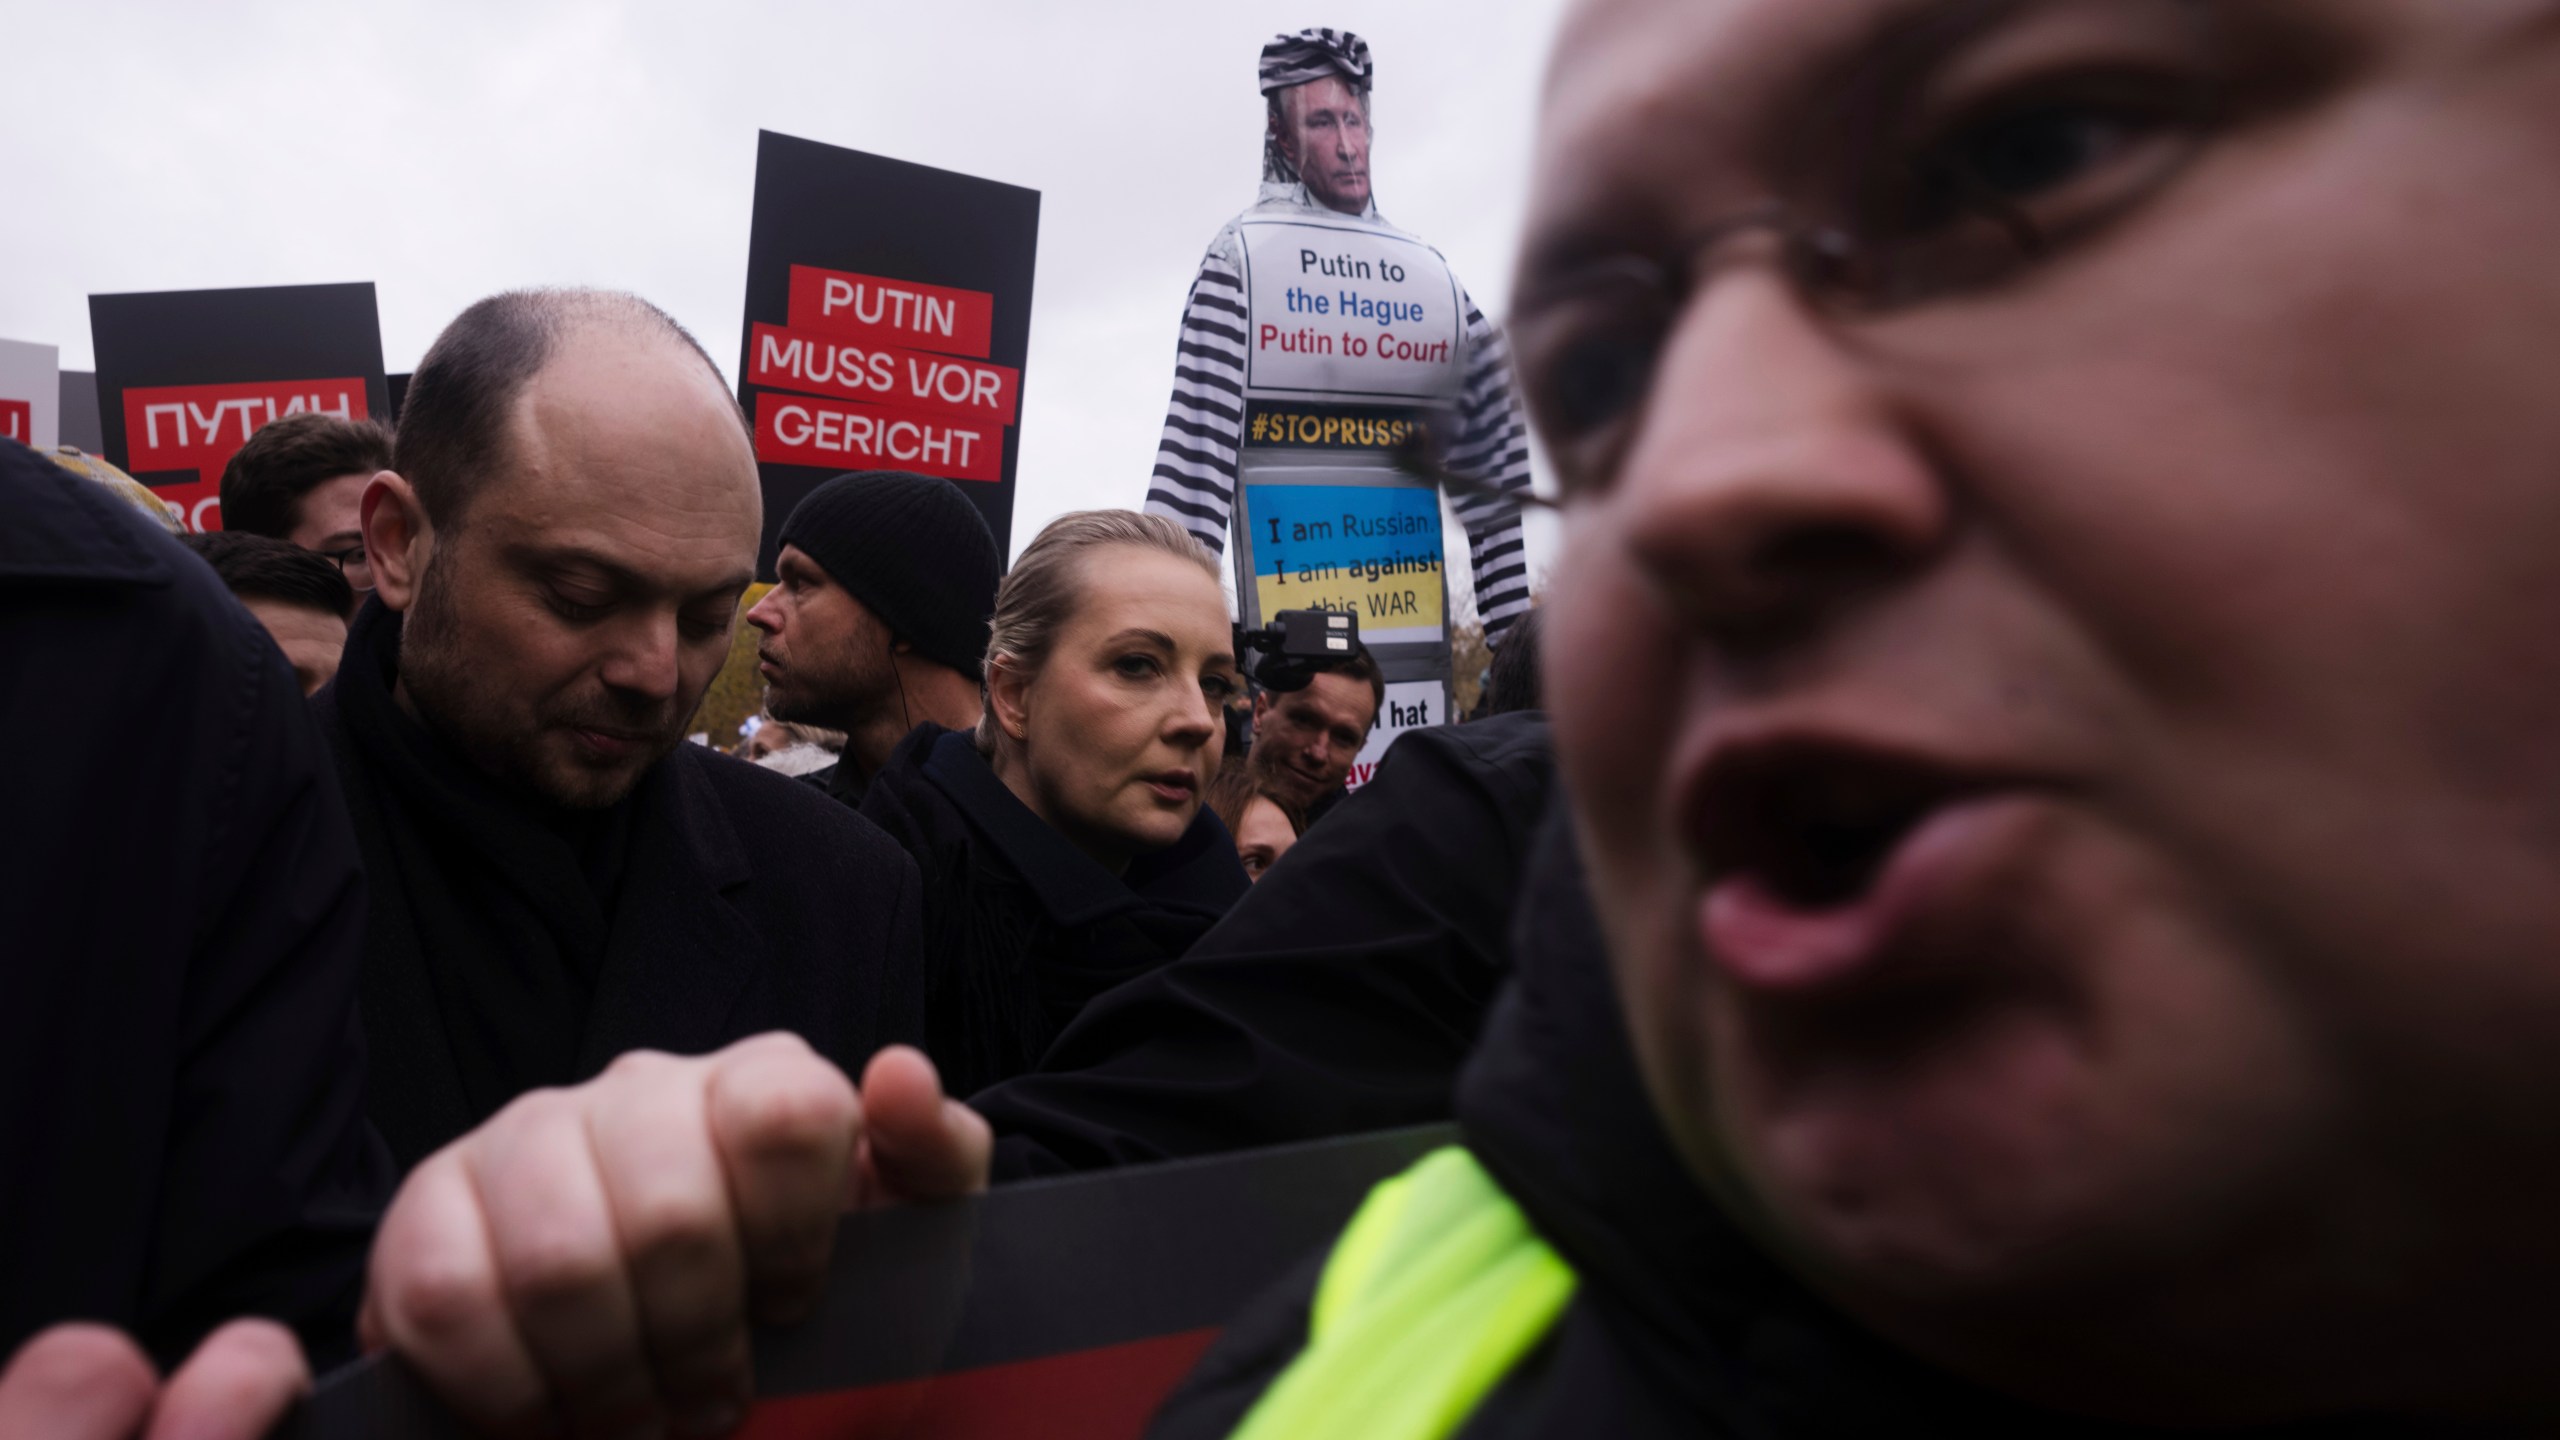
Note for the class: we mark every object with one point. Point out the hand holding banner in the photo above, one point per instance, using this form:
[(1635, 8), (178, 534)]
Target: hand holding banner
[(1063, 1308)]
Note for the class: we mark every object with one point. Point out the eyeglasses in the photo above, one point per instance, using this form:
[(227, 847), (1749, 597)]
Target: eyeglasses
[(353, 564), (1913, 191), (1900, 204)]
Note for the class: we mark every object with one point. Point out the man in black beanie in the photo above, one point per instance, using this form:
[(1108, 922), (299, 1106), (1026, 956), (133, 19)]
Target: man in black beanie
[(879, 620)]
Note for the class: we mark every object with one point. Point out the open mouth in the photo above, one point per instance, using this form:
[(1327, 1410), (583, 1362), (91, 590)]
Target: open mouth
[(1814, 824)]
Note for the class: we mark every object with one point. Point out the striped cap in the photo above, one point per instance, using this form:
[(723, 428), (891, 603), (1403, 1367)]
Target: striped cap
[(1291, 60)]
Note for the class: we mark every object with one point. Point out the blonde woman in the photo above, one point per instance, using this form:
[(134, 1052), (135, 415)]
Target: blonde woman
[(1065, 846)]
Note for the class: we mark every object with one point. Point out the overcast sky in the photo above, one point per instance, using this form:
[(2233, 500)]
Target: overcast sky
[(448, 150)]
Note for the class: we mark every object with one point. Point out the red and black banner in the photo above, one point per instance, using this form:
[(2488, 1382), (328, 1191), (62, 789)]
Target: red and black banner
[(888, 315), (186, 376), (1067, 1309)]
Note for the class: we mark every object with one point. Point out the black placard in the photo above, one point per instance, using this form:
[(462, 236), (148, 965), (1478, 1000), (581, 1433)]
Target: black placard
[(846, 211), (298, 344)]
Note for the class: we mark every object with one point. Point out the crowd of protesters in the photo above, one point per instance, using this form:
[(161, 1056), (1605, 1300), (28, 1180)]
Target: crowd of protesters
[(2034, 914)]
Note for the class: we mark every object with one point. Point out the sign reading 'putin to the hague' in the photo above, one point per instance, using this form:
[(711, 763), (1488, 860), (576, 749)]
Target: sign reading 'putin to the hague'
[(185, 377), (888, 314), (1344, 310)]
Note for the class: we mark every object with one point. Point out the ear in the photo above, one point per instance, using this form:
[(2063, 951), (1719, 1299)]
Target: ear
[(1009, 696), (1261, 704), (398, 541)]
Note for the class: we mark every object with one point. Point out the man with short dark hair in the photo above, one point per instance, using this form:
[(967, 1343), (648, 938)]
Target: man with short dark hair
[(557, 878), (300, 597), (878, 622), (299, 478), (1304, 741)]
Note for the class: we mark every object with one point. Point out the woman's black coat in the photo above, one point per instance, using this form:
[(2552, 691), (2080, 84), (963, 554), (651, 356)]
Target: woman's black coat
[(1021, 927)]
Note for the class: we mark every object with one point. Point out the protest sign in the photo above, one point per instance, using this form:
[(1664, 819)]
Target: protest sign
[(186, 376), (30, 394), (1372, 550), (1354, 336), (1345, 309), (1347, 531), (888, 315), (1065, 1308), (1347, 335)]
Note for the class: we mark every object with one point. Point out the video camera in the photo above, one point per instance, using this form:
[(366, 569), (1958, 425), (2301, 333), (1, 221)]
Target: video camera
[(1286, 654)]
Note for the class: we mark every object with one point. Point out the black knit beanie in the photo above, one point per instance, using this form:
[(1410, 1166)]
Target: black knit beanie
[(913, 549)]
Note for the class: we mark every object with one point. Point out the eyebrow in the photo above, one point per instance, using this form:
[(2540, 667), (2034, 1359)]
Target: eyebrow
[(1141, 635)]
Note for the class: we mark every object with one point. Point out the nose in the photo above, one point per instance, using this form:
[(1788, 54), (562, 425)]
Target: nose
[(1771, 482), (765, 614), (1194, 721), (643, 658)]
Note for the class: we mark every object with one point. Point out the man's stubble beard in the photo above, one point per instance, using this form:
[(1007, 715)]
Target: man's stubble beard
[(869, 687), (436, 669)]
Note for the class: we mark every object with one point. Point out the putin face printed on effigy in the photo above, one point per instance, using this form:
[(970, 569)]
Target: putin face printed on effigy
[(568, 607), (1323, 127), (2053, 657)]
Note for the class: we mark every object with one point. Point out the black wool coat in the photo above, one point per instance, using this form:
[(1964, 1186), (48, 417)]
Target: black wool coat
[(1023, 930), (182, 1134), (746, 902)]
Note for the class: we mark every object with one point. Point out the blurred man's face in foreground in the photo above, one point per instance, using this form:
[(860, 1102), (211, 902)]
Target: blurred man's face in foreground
[(2054, 659)]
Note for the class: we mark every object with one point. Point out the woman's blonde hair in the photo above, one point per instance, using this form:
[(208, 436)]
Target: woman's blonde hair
[(1039, 594)]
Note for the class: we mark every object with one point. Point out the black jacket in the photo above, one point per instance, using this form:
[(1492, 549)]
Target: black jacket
[(1022, 929), (744, 903), (182, 1133), (1342, 995)]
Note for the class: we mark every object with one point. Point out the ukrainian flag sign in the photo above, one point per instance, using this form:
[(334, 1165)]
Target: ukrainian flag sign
[(1373, 550)]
